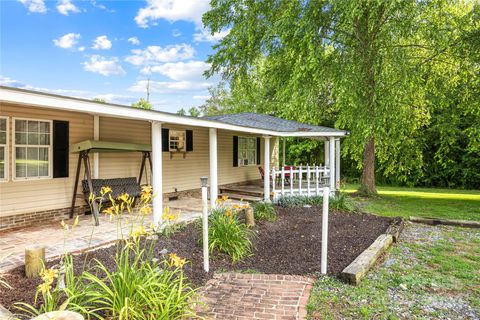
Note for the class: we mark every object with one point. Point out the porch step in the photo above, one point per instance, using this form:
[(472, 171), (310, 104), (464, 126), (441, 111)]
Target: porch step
[(253, 191), (237, 196)]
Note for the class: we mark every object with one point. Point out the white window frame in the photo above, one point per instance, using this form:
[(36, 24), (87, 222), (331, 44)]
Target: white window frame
[(14, 151), (7, 153), (241, 161), (170, 140)]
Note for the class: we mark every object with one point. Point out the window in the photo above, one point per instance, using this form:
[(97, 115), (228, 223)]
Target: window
[(32, 149), (3, 148), (176, 140), (247, 151)]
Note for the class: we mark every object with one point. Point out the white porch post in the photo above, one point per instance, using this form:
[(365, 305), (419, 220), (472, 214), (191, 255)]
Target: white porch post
[(332, 162), (213, 166), (283, 151), (96, 155), (337, 164), (266, 168), (157, 179), (326, 154)]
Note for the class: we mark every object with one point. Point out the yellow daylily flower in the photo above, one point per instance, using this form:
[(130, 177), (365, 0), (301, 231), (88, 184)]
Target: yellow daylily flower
[(105, 190), (146, 210), (45, 288), (176, 261)]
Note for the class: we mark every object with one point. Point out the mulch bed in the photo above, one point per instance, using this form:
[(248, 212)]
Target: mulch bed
[(290, 245)]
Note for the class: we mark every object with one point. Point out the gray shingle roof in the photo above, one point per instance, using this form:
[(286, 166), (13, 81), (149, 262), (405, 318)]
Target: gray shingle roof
[(267, 122)]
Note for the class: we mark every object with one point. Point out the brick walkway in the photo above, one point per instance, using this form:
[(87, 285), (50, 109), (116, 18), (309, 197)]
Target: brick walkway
[(255, 296)]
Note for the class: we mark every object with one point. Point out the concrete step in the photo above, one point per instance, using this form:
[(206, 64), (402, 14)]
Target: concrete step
[(237, 196)]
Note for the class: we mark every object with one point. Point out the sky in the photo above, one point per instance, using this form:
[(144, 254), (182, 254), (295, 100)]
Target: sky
[(108, 49)]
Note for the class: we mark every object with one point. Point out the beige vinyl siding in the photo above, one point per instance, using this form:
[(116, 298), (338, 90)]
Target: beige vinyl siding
[(18, 197), (179, 172), (122, 164)]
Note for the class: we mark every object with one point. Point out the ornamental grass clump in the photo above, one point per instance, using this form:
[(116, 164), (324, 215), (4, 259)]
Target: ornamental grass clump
[(264, 211), (226, 234)]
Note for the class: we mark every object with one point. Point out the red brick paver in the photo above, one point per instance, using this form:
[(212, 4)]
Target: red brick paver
[(255, 296)]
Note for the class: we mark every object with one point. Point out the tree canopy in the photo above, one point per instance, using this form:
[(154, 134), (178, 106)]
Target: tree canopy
[(393, 73)]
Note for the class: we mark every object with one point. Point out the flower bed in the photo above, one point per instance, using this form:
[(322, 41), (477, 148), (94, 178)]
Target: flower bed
[(289, 245)]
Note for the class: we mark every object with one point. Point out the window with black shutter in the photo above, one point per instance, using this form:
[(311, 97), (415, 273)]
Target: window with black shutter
[(60, 148)]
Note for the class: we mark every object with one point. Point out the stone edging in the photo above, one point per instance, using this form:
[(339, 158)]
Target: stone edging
[(447, 222)]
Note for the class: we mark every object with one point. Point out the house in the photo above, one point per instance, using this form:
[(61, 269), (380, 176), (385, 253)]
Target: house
[(37, 169)]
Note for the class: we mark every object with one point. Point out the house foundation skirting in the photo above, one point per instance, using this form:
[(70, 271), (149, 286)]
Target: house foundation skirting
[(39, 217)]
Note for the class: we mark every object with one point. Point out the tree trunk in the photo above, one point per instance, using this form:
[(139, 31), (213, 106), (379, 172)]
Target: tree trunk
[(368, 175)]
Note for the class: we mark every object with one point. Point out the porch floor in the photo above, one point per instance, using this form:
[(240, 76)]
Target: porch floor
[(84, 236)]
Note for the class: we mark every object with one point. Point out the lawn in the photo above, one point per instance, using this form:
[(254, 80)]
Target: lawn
[(440, 280), (422, 202)]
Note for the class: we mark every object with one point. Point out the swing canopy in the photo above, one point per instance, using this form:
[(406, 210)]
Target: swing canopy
[(108, 146)]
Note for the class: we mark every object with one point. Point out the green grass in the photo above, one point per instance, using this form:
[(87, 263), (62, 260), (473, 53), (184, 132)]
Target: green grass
[(422, 202), (431, 269)]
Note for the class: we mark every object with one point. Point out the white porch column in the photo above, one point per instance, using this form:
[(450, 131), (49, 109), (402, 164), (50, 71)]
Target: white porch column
[(157, 179), (266, 168), (331, 142), (326, 153), (283, 151), (96, 155), (213, 167), (337, 164)]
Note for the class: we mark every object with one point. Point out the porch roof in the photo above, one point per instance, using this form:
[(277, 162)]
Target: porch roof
[(278, 127), (268, 122)]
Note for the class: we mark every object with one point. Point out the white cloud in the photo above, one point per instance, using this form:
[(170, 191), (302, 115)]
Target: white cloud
[(180, 71), (203, 98), (176, 33), (37, 6), (103, 66), (67, 41), (100, 6), (101, 43), (9, 82), (81, 49), (66, 6), (134, 41), (116, 98), (204, 35), (169, 87), (172, 10), (156, 54)]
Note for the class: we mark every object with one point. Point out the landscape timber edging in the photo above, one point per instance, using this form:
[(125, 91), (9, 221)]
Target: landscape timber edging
[(356, 270), (447, 222)]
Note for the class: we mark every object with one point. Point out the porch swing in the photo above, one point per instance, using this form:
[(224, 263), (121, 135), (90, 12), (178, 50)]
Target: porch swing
[(130, 185)]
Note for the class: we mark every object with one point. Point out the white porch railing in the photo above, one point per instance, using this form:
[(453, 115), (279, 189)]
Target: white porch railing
[(301, 180)]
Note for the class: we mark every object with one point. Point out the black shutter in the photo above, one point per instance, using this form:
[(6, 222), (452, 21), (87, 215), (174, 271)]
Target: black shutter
[(235, 151), (165, 140), (189, 138), (258, 151), (60, 149)]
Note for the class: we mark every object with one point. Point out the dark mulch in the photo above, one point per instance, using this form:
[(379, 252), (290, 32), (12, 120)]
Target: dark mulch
[(290, 245)]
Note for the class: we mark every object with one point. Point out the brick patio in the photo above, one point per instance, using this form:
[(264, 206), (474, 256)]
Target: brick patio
[(255, 296)]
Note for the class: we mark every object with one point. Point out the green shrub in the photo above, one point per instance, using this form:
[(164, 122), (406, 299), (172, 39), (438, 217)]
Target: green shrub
[(299, 201), (341, 202), (226, 234), (338, 202), (264, 211)]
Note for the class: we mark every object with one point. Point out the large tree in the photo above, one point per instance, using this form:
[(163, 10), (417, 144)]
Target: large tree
[(369, 63)]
